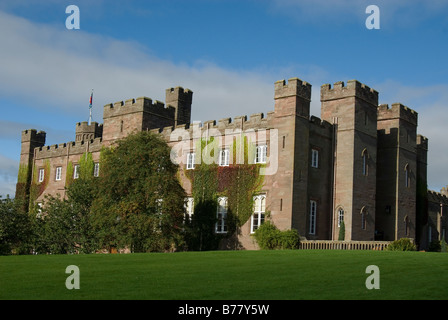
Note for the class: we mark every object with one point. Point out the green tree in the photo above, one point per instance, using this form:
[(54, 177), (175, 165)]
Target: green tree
[(15, 227), (140, 203), (65, 225)]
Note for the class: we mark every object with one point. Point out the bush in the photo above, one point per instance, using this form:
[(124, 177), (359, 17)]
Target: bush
[(403, 244), (269, 237)]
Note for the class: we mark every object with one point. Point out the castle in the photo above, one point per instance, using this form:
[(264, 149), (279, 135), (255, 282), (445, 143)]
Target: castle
[(361, 165)]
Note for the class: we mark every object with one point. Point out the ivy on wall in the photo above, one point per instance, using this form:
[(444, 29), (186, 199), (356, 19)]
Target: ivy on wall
[(36, 187), (239, 181)]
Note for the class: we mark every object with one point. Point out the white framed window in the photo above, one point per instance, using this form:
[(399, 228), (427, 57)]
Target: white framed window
[(189, 207), (190, 160), (96, 169), (76, 171), (221, 224), (313, 211), (314, 158), (224, 157), (340, 216), (58, 173), (258, 216), (41, 175), (261, 154)]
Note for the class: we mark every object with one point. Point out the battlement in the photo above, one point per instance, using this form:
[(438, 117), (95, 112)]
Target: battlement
[(320, 123), (84, 131), (141, 104), (354, 88), (397, 111), (31, 135), (422, 142), (257, 121), (438, 197), (294, 87), (69, 148), (178, 94)]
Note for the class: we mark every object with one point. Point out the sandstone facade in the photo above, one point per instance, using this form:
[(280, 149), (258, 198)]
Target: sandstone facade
[(361, 163)]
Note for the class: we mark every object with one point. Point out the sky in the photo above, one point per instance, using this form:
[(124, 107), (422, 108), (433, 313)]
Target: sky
[(229, 53)]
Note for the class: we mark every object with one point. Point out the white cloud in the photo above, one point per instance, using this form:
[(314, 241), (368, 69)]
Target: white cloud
[(59, 67)]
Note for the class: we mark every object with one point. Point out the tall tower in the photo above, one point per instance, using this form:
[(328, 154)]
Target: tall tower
[(352, 109), (181, 100), (291, 118), (31, 139), (397, 171)]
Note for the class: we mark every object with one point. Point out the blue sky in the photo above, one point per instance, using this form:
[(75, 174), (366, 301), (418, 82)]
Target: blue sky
[(228, 52)]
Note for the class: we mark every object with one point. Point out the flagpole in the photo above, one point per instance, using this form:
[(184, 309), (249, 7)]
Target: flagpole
[(90, 108)]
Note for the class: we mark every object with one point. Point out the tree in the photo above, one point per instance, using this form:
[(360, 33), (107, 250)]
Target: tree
[(140, 203), (15, 227)]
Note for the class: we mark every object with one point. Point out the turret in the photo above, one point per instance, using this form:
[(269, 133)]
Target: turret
[(181, 100)]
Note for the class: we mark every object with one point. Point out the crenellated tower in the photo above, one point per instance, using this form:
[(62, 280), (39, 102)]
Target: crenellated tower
[(397, 175), (31, 139), (352, 109), (291, 119)]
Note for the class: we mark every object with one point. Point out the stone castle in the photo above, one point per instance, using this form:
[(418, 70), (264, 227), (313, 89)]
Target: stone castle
[(361, 165)]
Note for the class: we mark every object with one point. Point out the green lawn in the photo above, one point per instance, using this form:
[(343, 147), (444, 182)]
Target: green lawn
[(238, 275)]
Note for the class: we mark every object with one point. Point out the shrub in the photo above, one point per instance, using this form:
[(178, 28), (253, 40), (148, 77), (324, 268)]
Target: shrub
[(269, 237), (403, 244)]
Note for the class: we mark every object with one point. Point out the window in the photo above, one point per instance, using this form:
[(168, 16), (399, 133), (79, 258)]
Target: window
[(76, 171), (41, 175), (221, 224), (407, 176), (365, 165), (340, 216), (58, 173), (190, 160), (96, 169), (406, 225), (259, 212), (314, 158), (363, 218), (189, 207), (224, 157), (261, 154), (313, 209)]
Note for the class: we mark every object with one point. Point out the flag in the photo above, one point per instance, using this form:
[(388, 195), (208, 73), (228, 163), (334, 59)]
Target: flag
[(91, 99)]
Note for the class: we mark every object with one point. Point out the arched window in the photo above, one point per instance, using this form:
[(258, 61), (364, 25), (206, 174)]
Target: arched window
[(340, 216), (363, 218), (407, 176), (258, 216), (365, 163), (406, 225)]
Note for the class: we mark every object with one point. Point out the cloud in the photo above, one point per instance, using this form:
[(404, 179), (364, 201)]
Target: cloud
[(59, 68), (8, 176)]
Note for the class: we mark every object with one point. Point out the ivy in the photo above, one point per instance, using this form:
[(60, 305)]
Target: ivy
[(37, 188), (239, 181)]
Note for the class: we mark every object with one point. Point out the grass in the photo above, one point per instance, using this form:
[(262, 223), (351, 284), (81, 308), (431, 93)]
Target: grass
[(235, 275)]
